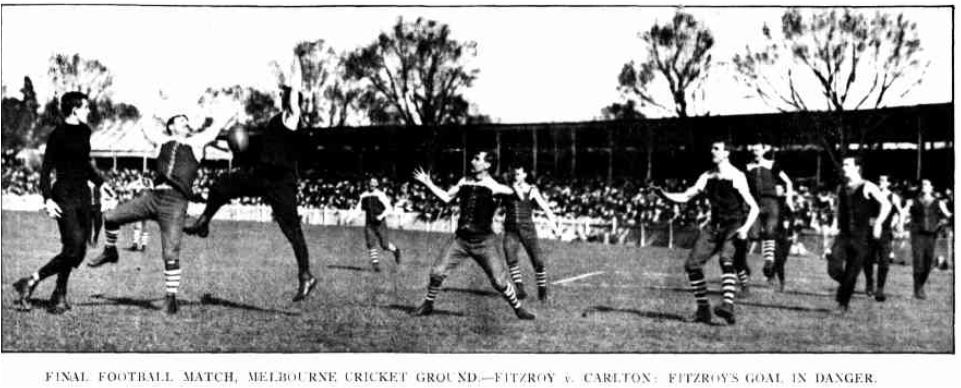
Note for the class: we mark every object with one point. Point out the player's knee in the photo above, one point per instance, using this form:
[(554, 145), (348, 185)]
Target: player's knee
[(436, 279), (727, 265), (692, 266)]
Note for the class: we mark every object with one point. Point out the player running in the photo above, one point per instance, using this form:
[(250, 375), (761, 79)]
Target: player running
[(880, 249), (376, 206), (474, 237), (763, 175), (727, 190), (926, 215)]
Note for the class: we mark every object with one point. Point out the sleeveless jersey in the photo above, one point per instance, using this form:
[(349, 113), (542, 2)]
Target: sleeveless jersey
[(279, 146), (519, 211), (372, 207), (726, 202), (476, 212), (854, 212), (924, 217), (762, 181), (177, 166)]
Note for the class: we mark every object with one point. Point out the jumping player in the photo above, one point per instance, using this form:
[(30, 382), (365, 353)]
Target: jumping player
[(926, 214), (519, 231), (881, 248), (376, 206), (474, 237), (180, 151), (727, 190), (854, 229), (270, 173), (68, 201)]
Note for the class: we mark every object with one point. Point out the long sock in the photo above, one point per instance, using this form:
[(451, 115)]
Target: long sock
[(374, 256), (743, 277), (110, 236), (144, 238), (698, 286), (433, 288), (541, 277), (511, 296), (767, 250), (516, 274), (728, 285), (172, 274)]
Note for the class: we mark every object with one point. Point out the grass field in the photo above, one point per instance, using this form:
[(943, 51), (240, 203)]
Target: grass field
[(238, 284)]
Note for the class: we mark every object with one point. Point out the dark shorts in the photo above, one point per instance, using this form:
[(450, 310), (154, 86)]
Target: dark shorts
[(484, 251), (766, 225), (376, 235), (713, 239)]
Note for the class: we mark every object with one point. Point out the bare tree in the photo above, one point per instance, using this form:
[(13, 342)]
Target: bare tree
[(678, 60)]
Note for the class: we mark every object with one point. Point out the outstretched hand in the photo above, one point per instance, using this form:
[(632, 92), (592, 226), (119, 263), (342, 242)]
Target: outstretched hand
[(422, 176)]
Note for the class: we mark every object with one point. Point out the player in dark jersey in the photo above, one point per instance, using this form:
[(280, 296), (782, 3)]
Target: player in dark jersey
[(179, 154), (376, 206), (926, 215), (880, 254), (269, 170), (857, 200), (68, 200), (474, 237), (763, 175), (519, 231), (727, 190)]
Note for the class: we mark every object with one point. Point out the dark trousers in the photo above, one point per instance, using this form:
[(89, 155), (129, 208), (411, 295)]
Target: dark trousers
[(844, 264), (483, 251), (376, 235), (166, 206), (922, 253), (740, 256), (279, 189), (880, 255), (713, 240), (766, 225), (782, 249), (514, 239), (74, 224)]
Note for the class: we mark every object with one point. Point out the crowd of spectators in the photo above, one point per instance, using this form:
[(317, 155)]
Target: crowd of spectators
[(591, 200)]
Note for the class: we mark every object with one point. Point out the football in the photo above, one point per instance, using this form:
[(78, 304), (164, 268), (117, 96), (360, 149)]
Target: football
[(238, 139)]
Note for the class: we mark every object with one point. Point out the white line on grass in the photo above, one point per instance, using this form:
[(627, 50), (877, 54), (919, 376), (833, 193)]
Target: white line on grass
[(578, 277)]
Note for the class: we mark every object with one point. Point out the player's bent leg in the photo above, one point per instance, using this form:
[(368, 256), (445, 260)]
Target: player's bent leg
[(283, 201), (512, 246), (486, 255)]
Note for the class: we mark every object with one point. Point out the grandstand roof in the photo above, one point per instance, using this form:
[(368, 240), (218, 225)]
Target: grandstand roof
[(126, 139)]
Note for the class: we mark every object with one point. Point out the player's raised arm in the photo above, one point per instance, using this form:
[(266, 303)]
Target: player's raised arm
[(424, 177), (155, 136), (686, 195), (740, 184), (545, 206), (874, 192), (209, 133)]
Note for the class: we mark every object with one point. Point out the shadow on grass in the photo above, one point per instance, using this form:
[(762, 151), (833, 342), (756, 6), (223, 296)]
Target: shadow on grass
[(350, 268), (643, 314), (210, 300), (686, 290), (146, 304), (806, 293), (473, 291), (410, 309), (783, 307)]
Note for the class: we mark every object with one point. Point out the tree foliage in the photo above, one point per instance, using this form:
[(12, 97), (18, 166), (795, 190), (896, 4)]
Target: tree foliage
[(20, 118), (671, 77), (252, 107), (414, 75), (74, 73)]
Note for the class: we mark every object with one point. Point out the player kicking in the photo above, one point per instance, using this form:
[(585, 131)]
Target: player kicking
[(519, 231), (270, 172), (857, 200), (180, 151), (376, 206), (727, 190), (474, 237)]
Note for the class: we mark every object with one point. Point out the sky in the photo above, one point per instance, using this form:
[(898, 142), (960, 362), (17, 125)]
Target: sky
[(536, 64)]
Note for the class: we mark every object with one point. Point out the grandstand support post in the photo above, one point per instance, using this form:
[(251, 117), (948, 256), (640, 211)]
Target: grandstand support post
[(143, 164), (670, 234), (534, 152), (114, 158), (817, 173), (614, 229), (463, 152), (573, 152), (497, 151), (610, 157), (643, 240), (920, 150)]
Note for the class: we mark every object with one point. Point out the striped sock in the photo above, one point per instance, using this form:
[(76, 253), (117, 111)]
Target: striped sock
[(516, 274), (767, 250), (374, 255), (144, 238), (743, 277), (728, 285), (511, 296), (172, 279), (541, 278), (110, 236), (432, 291), (699, 287)]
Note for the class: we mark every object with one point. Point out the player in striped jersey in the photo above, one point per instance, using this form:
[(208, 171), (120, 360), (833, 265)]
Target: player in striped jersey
[(519, 231), (727, 190), (179, 154), (376, 206), (881, 248), (763, 175), (474, 237)]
